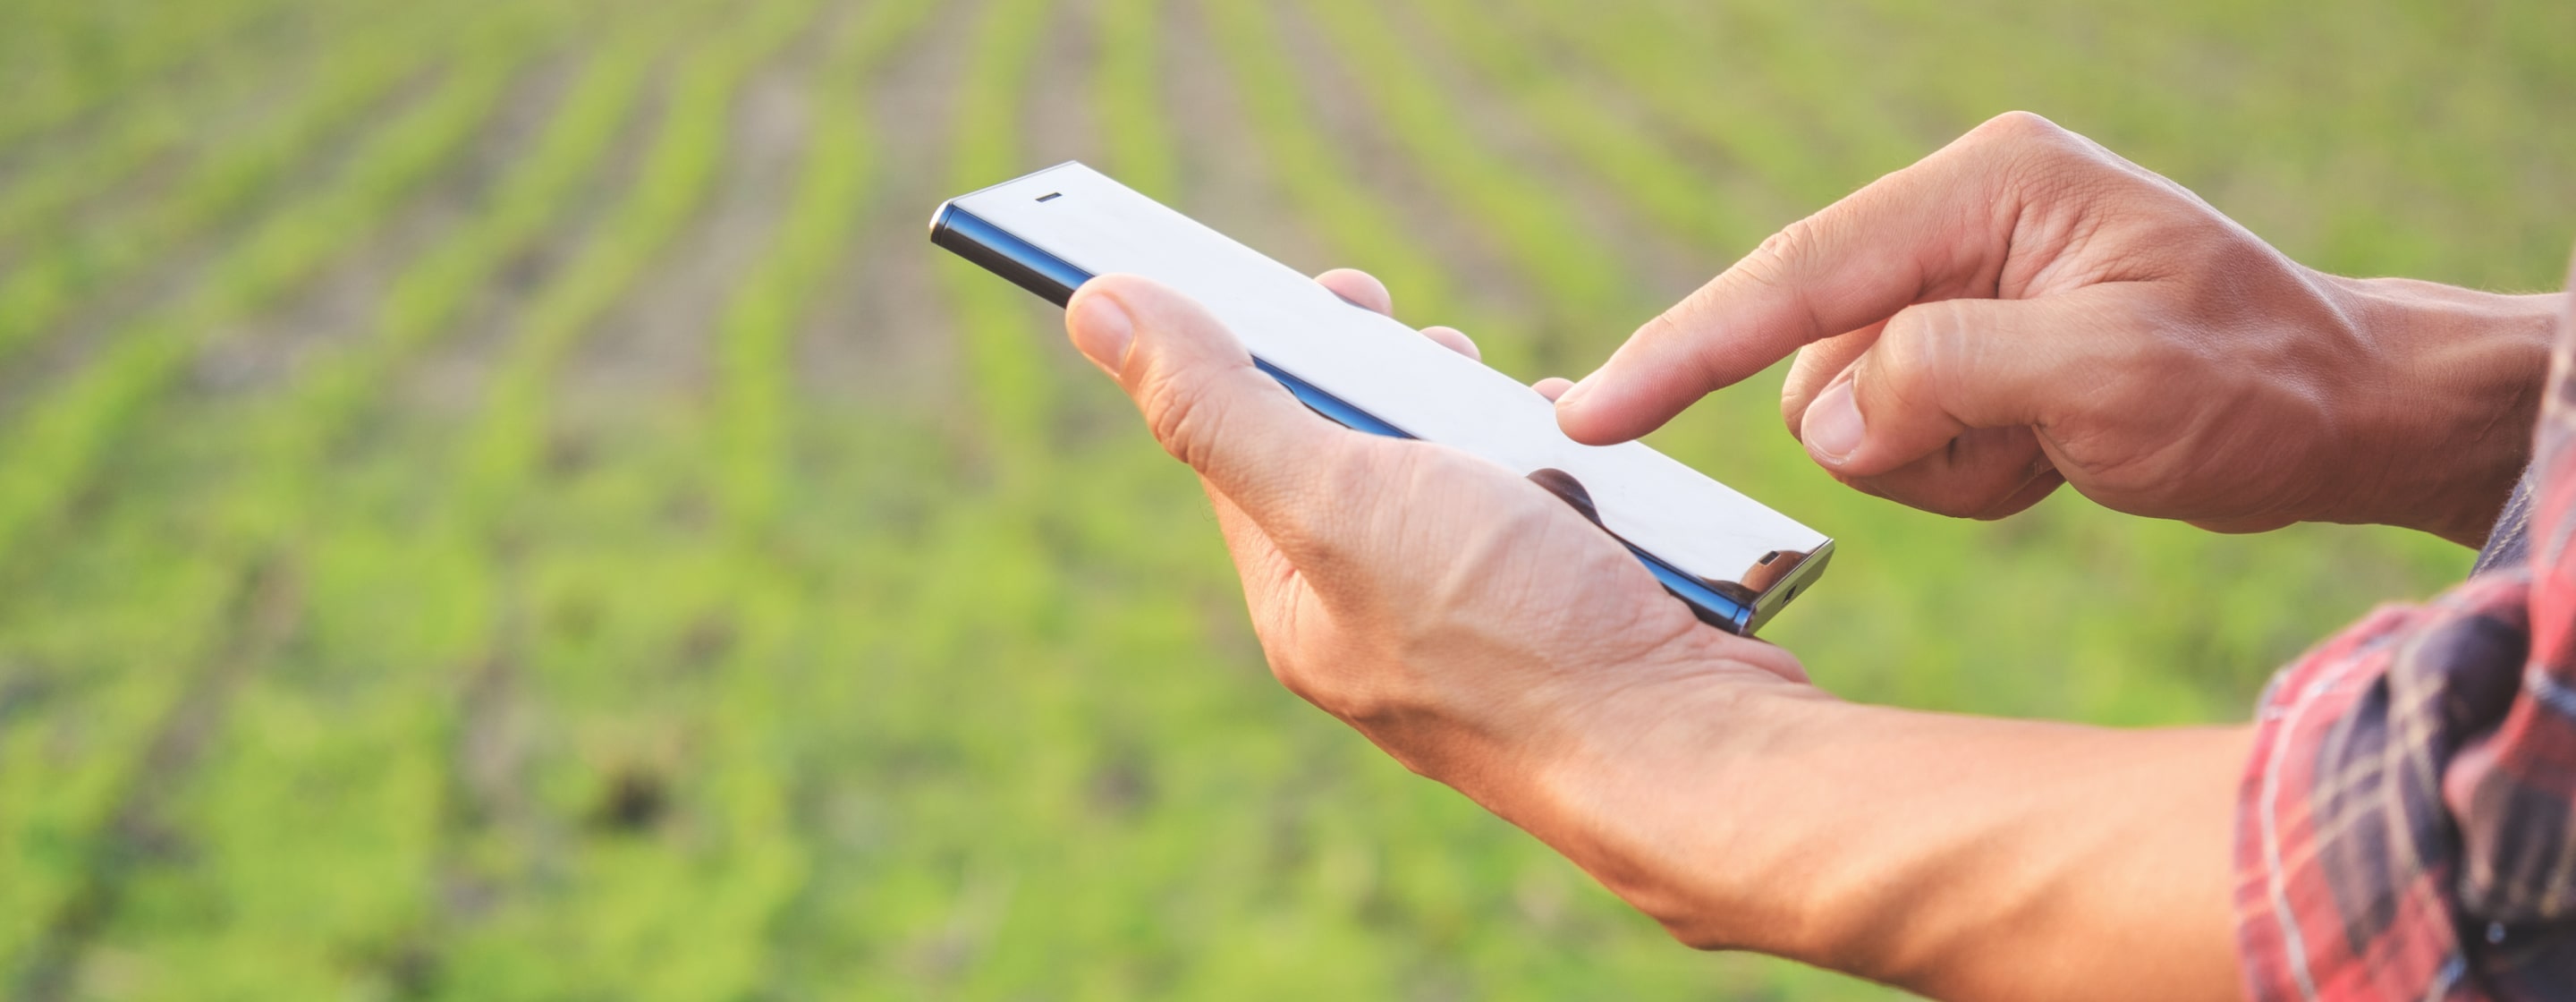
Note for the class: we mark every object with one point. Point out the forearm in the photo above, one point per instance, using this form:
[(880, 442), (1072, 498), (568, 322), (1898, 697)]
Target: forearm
[(2448, 428), (1961, 857)]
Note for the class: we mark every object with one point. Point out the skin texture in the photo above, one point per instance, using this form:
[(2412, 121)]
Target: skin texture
[(2024, 308), (1484, 634)]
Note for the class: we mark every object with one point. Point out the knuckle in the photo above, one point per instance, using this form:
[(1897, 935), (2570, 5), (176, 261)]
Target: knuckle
[(1365, 707), (1348, 688), (2020, 128), (1687, 922), (1288, 646), (1922, 342), (1795, 393), (1959, 503), (1774, 262), (1815, 366), (1866, 485), (2036, 155), (1926, 487), (1291, 673), (1183, 415), (2147, 366), (1978, 471), (1693, 933), (1779, 268)]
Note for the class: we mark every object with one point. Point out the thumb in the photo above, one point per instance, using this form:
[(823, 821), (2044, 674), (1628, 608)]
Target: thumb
[(1942, 369), (1200, 393)]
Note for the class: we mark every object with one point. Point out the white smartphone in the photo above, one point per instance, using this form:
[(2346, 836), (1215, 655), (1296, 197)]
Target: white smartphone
[(1733, 561)]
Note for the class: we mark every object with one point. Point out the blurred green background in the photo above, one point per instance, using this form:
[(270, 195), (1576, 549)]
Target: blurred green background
[(498, 500)]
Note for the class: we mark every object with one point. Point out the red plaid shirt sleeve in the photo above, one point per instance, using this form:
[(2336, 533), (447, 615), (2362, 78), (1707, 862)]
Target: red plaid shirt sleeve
[(2406, 829)]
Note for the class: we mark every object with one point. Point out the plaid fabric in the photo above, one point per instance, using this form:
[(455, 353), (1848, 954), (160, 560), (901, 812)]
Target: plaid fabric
[(2407, 825)]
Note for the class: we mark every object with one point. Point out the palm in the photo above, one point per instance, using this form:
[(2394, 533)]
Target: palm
[(1469, 573)]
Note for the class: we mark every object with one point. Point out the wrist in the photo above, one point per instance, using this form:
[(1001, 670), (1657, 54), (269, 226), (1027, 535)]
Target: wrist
[(2446, 421), (1934, 852), (1664, 802)]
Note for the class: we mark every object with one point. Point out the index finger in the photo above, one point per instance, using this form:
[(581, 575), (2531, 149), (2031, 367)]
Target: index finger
[(1937, 229)]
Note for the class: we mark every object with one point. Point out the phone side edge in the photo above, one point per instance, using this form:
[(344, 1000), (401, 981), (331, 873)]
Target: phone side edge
[(1054, 279), (1003, 253), (1787, 588)]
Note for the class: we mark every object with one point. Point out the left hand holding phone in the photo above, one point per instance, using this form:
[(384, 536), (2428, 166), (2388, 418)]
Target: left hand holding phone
[(1463, 618)]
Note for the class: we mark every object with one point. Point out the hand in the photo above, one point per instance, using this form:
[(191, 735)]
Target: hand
[(2024, 308), (1478, 630), (1463, 618)]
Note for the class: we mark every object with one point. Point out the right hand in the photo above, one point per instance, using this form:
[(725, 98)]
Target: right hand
[(2024, 308)]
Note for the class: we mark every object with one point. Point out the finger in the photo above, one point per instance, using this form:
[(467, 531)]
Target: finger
[(1363, 289), (1455, 340), (1935, 229), (1816, 366), (1940, 369), (1977, 473), (1201, 395), (1360, 288), (2037, 490), (1553, 386)]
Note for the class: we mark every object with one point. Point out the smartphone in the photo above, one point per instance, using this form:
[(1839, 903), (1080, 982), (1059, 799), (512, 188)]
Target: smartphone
[(1733, 561)]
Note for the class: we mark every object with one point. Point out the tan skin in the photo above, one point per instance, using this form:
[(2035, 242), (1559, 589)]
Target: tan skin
[(1485, 635)]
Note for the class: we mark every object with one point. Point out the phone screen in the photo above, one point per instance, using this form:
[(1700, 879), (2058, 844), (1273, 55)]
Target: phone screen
[(1732, 559)]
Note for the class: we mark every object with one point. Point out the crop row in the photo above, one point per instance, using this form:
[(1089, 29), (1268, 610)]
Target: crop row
[(458, 609), (65, 432), (60, 62), (1009, 385), (428, 299), (67, 268), (1811, 146), (1577, 276), (612, 910), (754, 862), (672, 180), (1135, 127), (262, 846), (1574, 111), (966, 656), (755, 336), (1360, 228), (161, 127), (111, 704)]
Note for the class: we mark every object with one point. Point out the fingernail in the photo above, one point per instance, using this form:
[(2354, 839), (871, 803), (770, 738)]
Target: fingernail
[(1102, 330), (1833, 427)]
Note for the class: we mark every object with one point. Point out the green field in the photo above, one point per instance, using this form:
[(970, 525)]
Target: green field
[(498, 500)]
